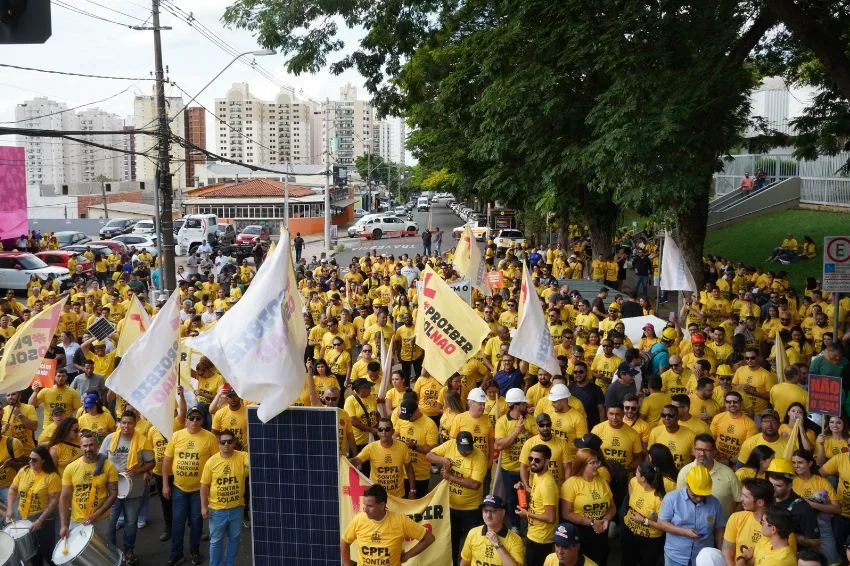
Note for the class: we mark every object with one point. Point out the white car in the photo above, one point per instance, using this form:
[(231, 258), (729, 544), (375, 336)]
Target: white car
[(139, 241), (354, 229), (359, 213), (16, 268), (144, 227), (389, 226), (508, 237)]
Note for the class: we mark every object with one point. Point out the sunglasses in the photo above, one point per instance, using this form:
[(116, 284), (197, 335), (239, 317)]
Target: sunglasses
[(675, 365), (198, 418), (535, 460), (331, 399), (227, 441), (748, 358), (667, 415), (337, 343), (367, 351), (385, 430)]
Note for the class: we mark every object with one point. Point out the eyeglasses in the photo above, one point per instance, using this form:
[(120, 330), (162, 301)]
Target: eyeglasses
[(337, 343), (365, 351), (629, 409), (331, 399), (748, 358), (198, 418), (35, 459), (226, 441), (667, 415), (535, 460), (544, 425), (384, 429)]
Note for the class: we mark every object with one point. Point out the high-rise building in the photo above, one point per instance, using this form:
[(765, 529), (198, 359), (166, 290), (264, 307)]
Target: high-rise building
[(95, 163), (196, 133), (128, 172), (145, 118), (391, 140), (352, 126), (258, 132)]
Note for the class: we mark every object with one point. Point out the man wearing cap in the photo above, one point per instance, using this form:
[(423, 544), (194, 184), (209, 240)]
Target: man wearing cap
[(780, 473), (754, 380), (562, 451), (492, 541), (568, 422), (512, 430), (362, 408), (542, 510), (185, 456), (769, 436), (104, 362), (732, 428), (692, 518), (463, 467), (476, 422), (659, 353), (232, 416), (699, 352), (389, 460), (568, 548), (379, 532), (623, 386), (420, 434)]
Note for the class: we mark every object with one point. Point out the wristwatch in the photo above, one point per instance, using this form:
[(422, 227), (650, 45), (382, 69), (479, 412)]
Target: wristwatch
[(645, 522), (497, 546)]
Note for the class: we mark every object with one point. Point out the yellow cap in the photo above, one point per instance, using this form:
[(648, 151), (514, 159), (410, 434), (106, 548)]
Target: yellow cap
[(699, 480), (781, 466), (669, 334), (615, 306), (724, 370), (98, 343)]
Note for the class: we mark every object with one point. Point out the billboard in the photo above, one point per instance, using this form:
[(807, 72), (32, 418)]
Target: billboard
[(13, 193)]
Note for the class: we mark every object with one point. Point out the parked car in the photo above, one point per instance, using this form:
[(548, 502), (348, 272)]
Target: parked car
[(116, 246), (144, 227), (400, 211), (359, 213), (506, 238), (68, 238), (249, 236), (116, 226), (353, 230), (224, 237), (139, 241), (96, 249), (383, 225), (17, 267), (178, 223), (60, 258)]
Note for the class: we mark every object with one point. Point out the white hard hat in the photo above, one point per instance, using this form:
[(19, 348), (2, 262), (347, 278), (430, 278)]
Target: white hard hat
[(477, 395), (515, 395), (559, 391)]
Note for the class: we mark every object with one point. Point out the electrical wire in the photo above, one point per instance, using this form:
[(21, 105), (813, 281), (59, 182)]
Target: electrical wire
[(88, 76), (73, 108), (114, 10), (88, 14)]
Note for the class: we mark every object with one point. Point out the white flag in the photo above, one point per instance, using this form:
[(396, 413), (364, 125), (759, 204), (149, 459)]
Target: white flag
[(469, 262), (258, 345), (532, 341), (147, 375), (675, 275)]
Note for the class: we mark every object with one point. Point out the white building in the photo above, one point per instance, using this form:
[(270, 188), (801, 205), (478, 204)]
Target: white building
[(352, 126), (391, 140), (254, 131), (778, 104), (145, 118)]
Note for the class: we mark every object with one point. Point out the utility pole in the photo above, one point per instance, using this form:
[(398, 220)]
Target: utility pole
[(166, 245), (103, 179), (327, 177)]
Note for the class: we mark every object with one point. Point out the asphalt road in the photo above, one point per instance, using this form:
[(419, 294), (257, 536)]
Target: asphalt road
[(441, 216)]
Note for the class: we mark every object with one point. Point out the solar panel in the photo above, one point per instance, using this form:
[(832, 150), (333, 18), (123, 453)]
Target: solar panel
[(295, 487)]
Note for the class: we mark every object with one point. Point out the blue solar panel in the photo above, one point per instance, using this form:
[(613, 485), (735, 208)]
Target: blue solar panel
[(295, 487)]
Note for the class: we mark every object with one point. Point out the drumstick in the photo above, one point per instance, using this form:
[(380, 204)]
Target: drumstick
[(65, 545)]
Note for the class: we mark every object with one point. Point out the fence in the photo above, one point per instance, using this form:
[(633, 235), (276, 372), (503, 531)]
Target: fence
[(822, 181)]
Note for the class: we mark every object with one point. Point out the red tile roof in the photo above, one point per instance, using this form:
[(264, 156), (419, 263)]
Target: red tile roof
[(253, 188)]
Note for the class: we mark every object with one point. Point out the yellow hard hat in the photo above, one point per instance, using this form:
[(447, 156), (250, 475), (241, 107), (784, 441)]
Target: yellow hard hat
[(98, 343), (669, 334), (724, 370), (781, 466), (699, 480)]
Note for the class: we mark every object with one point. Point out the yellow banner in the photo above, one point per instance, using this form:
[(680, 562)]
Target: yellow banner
[(781, 359), (447, 328), (136, 322), (26, 348), (461, 258), (432, 512)]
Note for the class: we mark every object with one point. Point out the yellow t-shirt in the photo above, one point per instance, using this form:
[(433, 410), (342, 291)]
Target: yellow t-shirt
[(35, 490), (380, 542), (552, 560), (406, 337), (208, 387), (65, 397), (387, 464), (189, 453), (65, 454), (226, 478), (103, 365), (479, 428), (765, 555), (95, 423), (369, 417), (834, 446), (761, 379), (646, 502), (650, 408), (840, 466), (680, 443), (428, 389), (568, 425), (782, 395), (731, 433), (606, 367), (813, 486), (590, 499), (560, 455), (743, 531), (158, 443), (344, 426), (477, 548), (703, 407), (474, 466), (394, 396), (778, 446), (78, 475), (544, 491), (46, 433), (237, 421), (504, 429), (16, 427), (424, 432), (618, 444), (674, 383)]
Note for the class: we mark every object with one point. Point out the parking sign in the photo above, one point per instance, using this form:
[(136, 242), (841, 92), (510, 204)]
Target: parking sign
[(836, 264)]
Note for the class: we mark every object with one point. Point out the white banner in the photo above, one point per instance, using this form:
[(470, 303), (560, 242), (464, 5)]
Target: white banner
[(469, 263), (675, 275), (461, 287), (532, 341), (147, 375), (258, 345)]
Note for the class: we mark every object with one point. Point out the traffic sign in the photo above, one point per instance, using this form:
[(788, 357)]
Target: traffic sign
[(836, 264)]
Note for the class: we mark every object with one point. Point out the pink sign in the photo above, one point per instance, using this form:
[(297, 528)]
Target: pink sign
[(13, 193)]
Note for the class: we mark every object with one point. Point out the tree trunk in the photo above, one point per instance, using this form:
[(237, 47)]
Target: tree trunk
[(692, 222), (601, 215)]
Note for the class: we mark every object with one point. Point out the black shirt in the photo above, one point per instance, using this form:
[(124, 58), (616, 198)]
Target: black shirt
[(805, 518), (591, 397)]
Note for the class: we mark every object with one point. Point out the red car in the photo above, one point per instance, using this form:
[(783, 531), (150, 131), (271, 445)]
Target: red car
[(250, 234), (60, 258), (115, 245)]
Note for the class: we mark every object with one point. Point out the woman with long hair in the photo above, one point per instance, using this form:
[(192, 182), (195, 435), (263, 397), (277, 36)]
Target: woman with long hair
[(646, 305), (806, 434), (393, 396), (64, 445), (594, 340), (588, 503), (339, 361), (36, 488), (832, 441), (820, 496), (662, 458), (452, 407), (649, 338), (643, 542), (454, 383), (756, 465)]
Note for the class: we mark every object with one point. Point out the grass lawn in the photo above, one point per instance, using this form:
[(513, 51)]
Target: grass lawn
[(751, 241)]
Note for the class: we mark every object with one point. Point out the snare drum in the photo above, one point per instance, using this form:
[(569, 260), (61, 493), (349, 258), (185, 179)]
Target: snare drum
[(7, 551), (125, 486), (84, 547), (26, 543)]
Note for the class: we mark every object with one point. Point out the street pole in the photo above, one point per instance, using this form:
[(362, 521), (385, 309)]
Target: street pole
[(103, 196), (166, 245), (157, 220), (327, 178), (286, 198)]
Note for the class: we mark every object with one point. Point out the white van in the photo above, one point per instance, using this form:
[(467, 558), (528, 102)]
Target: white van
[(423, 203), (195, 231)]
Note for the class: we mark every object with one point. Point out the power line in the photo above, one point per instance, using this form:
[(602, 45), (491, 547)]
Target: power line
[(72, 109), (88, 14), (45, 133), (114, 10), (75, 74)]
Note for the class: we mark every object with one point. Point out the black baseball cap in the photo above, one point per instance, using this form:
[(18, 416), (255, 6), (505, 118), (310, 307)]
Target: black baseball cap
[(407, 409)]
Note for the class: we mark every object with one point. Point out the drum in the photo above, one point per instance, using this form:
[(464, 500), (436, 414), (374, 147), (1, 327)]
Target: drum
[(125, 486), (7, 551), (26, 543), (84, 547)]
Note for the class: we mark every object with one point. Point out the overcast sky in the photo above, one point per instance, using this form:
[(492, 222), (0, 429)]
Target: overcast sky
[(85, 45)]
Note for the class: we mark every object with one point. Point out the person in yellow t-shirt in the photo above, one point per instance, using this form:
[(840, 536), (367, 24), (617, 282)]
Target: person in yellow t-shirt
[(567, 548), (743, 528), (104, 362), (731, 429), (561, 454), (769, 436), (419, 433), (223, 483), (774, 548), (641, 535), (679, 439), (409, 354), (390, 460), (832, 441), (605, 364), (513, 429), (476, 422), (89, 488), (36, 488), (620, 443), (19, 420), (493, 541), (362, 408), (542, 509), (60, 395), (754, 380), (381, 533), (233, 416)]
